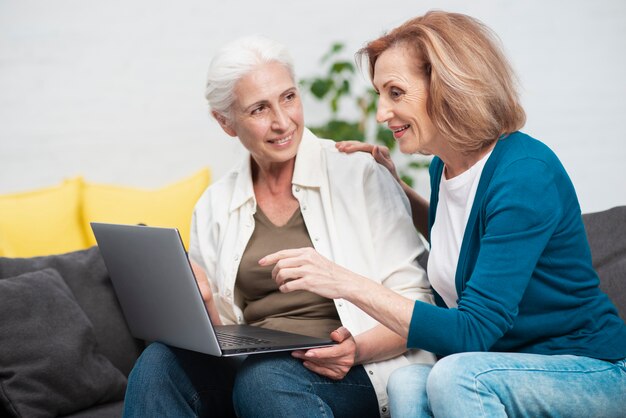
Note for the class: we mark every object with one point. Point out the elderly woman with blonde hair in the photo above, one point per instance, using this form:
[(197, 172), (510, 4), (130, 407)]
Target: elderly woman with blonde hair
[(520, 323)]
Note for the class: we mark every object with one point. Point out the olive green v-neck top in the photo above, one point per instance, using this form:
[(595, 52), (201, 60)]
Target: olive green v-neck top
[(263, 304)]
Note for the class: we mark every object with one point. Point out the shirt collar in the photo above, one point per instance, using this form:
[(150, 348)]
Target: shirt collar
[(308, 171), (243, 191)]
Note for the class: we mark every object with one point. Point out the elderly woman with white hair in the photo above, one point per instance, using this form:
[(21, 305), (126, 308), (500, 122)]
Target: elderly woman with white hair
[(289, 191)]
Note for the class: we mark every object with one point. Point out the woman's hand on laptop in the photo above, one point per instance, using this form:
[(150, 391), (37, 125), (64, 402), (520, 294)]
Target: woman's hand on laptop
[(207, 294), (333, 362)]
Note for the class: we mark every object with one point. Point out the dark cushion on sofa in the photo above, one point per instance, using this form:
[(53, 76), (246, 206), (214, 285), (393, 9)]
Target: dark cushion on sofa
[(606, 232), (87, 277), (107, 410), (49, 365)]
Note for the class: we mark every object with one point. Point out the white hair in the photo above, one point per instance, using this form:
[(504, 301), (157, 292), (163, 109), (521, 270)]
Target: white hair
[(236, 59)]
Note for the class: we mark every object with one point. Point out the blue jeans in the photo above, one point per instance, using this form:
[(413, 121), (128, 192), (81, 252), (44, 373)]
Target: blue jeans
[(509, 385), (278, 385), (172, 382)]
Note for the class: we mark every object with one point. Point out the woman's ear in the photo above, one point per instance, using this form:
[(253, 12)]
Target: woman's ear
[(224, 122)]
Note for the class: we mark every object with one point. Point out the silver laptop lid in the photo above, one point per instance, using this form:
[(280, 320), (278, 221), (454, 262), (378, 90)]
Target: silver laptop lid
[(160, 299)]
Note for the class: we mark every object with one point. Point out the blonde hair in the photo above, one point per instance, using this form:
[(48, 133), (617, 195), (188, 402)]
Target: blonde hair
[(473, 98)]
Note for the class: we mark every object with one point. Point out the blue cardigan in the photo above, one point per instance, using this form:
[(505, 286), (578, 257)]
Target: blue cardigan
[(524, 276)]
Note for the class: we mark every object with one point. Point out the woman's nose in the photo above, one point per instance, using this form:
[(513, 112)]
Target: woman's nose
[(383, 111), (281, 120)]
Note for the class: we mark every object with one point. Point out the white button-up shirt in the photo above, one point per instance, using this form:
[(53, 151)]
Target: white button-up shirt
[(356, 215)]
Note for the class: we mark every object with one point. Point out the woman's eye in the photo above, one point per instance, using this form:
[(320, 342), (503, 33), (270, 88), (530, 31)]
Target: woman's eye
[(289, 97), (395, 93), (257, 110)]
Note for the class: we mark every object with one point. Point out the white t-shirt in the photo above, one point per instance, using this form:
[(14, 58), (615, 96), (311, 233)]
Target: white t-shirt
[(456, 197)]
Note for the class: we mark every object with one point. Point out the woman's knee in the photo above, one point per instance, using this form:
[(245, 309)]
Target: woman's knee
[(452, 384), (155, 353), (265, 373), (266, 380), (408, 379), (406, 388), (448, 373), (156, 365)]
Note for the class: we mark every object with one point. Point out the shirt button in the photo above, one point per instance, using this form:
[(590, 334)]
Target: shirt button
[(304, 207), (236, 257), (316, 238), (228, 293), (297, 189), (384, 409), (340, 304), (371, 372)]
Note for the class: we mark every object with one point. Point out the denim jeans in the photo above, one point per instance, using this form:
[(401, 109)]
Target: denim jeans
[(510, 385), (278, 385), (171, 382)]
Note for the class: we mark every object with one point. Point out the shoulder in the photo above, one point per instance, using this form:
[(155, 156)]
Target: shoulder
[(527, 171), (216, 198), (357, 161), (520, 158), (360, 174), (519, 146), (222, 187)]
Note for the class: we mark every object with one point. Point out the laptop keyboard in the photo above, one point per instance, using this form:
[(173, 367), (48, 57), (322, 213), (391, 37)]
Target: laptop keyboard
[(230, 340)]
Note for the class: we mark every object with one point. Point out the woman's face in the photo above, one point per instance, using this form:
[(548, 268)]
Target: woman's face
[(403, 92), (267, 114)]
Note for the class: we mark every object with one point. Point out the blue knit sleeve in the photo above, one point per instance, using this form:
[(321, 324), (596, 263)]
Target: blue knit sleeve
[(518, 214)]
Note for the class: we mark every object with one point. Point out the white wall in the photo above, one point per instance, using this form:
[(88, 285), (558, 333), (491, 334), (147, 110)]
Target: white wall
[(112, 90)]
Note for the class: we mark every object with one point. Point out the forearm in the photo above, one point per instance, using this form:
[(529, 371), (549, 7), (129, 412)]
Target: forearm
[(378, 344), (392, 310), (213, 313), (207, 293), (419, 209), (305, 269)]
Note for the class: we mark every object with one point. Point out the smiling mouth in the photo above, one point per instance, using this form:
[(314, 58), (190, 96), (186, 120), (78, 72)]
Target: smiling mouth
[(401, 129), (280, 141)]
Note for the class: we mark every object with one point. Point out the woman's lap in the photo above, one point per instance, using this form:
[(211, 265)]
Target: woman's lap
[(284, 387), (168, 381), (510, 384)]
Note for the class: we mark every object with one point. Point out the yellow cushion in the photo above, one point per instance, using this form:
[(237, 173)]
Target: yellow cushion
[(170, 206), (42, 222)]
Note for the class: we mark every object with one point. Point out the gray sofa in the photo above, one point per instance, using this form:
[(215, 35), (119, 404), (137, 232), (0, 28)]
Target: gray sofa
[(65, 349), (606, 232)]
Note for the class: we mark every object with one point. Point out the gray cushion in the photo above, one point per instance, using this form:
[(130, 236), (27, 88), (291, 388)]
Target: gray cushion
[(49, 365), (109, 410), (606, 232), (87, 277)]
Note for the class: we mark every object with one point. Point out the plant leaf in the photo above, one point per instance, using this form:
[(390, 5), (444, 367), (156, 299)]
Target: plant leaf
[(320, 87), (340, 66)]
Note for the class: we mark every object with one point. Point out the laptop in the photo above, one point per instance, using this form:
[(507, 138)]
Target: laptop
[(161, 301)]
